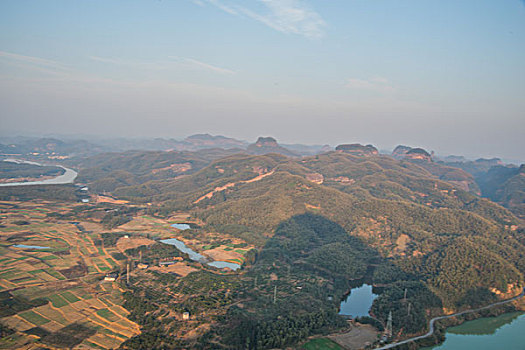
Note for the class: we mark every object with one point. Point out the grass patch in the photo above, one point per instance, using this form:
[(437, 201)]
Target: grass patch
[(57, 300), (69, 336), (111, 262), (55, 274), (321, 344), (33, 317), (72, 298), (48, 257), (108, 315), (103, 267), (93, 345), (39, 332)]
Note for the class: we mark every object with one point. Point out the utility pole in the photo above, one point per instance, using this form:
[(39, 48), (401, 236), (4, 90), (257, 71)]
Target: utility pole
[(409, 305), (274, 294), (389, 325)]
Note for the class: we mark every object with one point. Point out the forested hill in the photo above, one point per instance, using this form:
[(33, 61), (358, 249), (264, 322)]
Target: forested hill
[(397, 207), (449, 247), (503, 184)]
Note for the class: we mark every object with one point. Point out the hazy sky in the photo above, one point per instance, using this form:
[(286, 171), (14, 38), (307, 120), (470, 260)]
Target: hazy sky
[(445, 75)]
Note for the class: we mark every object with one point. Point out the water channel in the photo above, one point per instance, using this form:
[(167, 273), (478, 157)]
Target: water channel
[(193, 254), (23, 246)]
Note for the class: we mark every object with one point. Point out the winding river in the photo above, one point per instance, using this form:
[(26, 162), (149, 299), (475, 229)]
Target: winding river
[(193, 254), (66, 178)]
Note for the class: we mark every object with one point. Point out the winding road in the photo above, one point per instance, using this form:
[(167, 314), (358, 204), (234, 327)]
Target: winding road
[(432, 321)]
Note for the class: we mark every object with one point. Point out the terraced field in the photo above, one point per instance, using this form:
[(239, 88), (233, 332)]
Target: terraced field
[(56, 293)]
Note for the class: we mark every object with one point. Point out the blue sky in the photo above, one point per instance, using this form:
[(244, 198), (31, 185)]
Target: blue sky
[(445, 75)]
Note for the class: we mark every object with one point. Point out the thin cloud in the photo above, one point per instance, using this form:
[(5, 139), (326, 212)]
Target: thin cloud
[(36, 62), (174, 61), (111, 60), (286, 16), (204, 65), (379, 84), (223, 7)]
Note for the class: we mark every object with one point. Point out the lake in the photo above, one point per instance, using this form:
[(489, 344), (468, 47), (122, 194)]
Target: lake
[(506, 331), (66, 178), (198, 257), (358, 302)]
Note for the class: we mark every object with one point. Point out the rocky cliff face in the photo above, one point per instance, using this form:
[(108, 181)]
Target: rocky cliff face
[(400, 151), (357, 149), (265, 145), (199, 141), (418, 154)]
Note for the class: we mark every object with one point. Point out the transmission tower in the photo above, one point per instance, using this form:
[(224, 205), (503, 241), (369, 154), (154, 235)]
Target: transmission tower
[(389, 325), (275, 294)]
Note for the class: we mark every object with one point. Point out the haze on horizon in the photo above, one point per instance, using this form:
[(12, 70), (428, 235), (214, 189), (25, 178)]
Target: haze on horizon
[(448, 76)]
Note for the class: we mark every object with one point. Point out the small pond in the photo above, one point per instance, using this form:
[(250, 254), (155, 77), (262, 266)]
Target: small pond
[(358, 302), (198, 257), (181, 226), (30, 246)]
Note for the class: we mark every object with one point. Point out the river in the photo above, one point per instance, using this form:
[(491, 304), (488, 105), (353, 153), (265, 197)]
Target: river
[(198, 257), (506, 331), (66, 178)]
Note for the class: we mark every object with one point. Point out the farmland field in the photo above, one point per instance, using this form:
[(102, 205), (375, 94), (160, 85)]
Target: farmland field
[(58, 291)]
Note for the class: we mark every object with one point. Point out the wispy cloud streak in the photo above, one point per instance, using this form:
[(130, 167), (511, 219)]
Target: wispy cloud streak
[(173, 60), (205, 66), (379, 84), (286, 16), (42, 63)]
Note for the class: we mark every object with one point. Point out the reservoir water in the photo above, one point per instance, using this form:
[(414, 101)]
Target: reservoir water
[(198, 257), (503, 332), (66, 178), (358, 302)]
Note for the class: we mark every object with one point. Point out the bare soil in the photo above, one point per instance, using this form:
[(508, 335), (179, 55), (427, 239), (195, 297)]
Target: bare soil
[(359, 336)]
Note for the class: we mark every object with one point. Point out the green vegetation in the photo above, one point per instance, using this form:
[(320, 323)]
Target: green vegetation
[(70, 297), (151, 254), (46, 192), (69, 336), (57, 300), (9, 170), (321, 344), (11, 305), (34, 318)]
